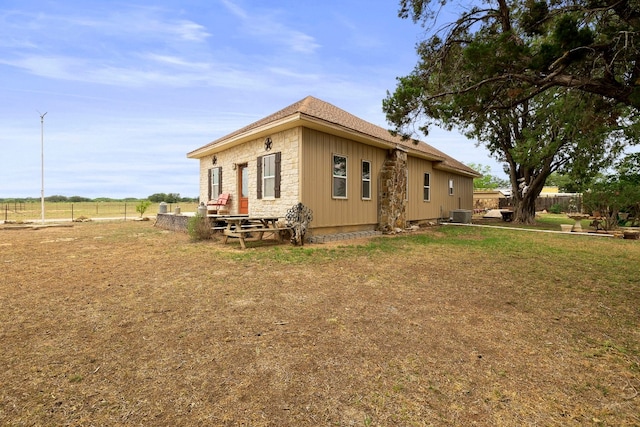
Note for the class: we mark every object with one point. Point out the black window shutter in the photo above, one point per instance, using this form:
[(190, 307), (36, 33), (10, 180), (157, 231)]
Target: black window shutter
[(219, 181), (259, 173), (209, 185), (277, 184)]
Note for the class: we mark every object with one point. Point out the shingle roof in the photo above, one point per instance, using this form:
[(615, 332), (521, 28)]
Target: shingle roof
[(315, 108)]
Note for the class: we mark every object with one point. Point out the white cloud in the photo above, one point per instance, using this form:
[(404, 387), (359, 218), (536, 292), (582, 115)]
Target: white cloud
[(88, 46), (141, 22), (235, 9), (189, 31), (289, 73), (301, 42), (176, 61), (356, 36), (270, 29), (162, 71)]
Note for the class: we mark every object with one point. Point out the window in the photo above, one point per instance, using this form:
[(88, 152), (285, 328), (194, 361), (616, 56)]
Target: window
[(269, 176), (366, 180), (215, 183), (427, 187), (451, 187), (339, 176), (268, 186)]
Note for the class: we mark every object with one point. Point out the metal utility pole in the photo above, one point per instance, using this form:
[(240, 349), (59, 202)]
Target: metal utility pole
[(42, 163)]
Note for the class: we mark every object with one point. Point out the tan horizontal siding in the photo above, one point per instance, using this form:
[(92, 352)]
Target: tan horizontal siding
[(441, 203), (318, 149)]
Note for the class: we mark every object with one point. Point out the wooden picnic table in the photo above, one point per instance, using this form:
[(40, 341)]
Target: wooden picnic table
[(241, 226)]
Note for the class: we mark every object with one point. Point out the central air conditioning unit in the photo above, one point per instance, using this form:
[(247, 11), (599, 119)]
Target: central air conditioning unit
[(461, 216)]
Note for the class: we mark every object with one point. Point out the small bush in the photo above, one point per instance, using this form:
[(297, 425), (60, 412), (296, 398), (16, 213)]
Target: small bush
[(141, 208), (199, 228), (556, 208)]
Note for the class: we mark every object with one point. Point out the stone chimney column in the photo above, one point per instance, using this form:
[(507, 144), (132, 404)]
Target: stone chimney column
[(393, 192)]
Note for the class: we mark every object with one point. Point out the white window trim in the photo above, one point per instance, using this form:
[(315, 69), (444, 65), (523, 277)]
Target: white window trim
[(265, 177), (366, 180), (345, 177), (451, 187), (214, 193), (428, 187)]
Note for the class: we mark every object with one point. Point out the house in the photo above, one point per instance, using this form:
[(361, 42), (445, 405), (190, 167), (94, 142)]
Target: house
[(489, 199), (353, 175)]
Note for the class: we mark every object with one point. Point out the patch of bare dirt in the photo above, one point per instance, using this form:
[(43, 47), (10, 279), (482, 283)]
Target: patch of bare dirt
[(124, 324)]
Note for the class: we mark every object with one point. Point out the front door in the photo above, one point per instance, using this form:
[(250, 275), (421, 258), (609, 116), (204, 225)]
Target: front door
[(243, 189)]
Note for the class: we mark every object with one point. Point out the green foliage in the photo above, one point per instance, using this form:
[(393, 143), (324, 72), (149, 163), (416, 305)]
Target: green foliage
[(529, 46), (486, 181), (618, 192), (535, 14), (545, 56), (629, 169), (141, 207), (169, 198), (567, 183), (163, 197), (568, 35), (556, 208), (479, 75), (56, 198), (78, 199), (199, 228)]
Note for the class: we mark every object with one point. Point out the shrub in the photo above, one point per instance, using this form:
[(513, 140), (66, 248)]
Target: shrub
[(199, 228), (556, 208), (141, 208)]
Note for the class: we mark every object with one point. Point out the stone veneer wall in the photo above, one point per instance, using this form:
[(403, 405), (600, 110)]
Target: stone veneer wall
[(393, 196), (287, 143), (172, 222)]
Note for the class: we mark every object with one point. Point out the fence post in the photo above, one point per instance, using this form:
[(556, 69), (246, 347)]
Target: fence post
[(71, 212), (125, 211)]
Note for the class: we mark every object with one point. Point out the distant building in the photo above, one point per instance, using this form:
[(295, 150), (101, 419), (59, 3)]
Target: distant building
[(489, 199)]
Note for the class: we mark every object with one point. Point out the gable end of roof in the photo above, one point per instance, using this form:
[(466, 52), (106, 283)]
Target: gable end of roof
[(314, 110)]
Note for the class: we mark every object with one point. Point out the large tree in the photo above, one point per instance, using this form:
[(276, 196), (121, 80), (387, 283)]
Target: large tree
[(616, 193), (486, 181), (462, 81), (589, 45)]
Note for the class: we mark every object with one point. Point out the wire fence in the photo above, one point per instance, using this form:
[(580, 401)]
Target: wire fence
[(68, 211)]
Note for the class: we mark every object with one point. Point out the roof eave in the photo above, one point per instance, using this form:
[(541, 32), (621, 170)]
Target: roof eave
[(365, 138), (343, 131), (445, 167), (302, 119), (255, 133)]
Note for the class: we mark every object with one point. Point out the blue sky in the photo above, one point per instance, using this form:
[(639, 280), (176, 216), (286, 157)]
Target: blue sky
[(130, 87)]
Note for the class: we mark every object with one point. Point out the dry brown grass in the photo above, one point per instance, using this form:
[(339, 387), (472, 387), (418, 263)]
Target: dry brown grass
[(124, 324)]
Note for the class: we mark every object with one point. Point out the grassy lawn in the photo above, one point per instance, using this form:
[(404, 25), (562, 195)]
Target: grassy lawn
[(120, 323), (32, 211)]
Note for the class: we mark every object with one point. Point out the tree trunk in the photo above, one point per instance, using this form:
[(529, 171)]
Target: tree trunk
[(525, 211), (525, 199)]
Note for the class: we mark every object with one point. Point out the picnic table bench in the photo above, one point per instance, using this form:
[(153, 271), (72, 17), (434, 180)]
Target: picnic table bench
[(241, 227)]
